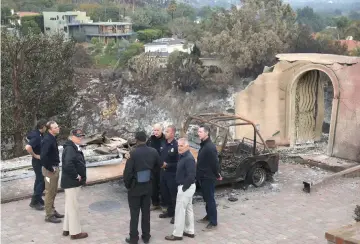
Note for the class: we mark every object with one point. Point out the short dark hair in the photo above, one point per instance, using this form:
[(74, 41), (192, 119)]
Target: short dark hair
[(77, 133), (49, 124), (40, 124), (140, 136), (206, 128), (173, 128)]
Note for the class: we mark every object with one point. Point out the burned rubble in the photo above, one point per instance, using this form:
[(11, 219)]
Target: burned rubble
[(98, 149), (99, 144)]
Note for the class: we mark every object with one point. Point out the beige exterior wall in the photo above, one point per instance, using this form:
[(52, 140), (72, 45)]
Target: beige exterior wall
[(270, 101)]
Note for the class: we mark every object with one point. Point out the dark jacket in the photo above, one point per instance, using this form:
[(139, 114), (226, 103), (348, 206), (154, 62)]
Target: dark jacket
[(186, 170), (73, 164), (34, 140), (49, 152), (207, 161), (157, 143), (142, 158), (170, 155)]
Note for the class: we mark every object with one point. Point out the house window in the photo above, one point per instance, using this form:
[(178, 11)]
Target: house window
[(65, 29), (52, 18), (63, 17), (57, 17), (47, 28)]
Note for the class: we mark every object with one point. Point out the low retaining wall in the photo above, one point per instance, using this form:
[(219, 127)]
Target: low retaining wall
[(349, 234)]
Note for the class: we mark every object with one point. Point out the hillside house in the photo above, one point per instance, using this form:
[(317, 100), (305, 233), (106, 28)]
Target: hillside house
[(162, 48), (76, 23)]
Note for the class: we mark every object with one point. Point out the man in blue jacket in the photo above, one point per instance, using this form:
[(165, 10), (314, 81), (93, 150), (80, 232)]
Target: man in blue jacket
[(207, 172), (33, 147), (185, 178), (170, 157), (157, 141)]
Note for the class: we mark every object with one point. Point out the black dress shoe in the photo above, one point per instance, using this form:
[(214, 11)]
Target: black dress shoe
[(164, 215), (53, 219), (188, 235), (66, 233), (210, 227), (172, 220), (131, 241), (146, 239), (173, 238), (57, 215), (37, 206)]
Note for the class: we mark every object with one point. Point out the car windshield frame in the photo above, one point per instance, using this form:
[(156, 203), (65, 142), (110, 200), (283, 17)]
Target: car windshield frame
[(214, 118)]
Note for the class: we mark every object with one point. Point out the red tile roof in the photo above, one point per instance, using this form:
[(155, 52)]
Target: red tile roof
[(22, 14), (351, 44)]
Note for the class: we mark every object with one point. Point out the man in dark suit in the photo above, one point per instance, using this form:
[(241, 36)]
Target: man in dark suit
[(50, 161), (140, 167), (157, 141), (207, 172)]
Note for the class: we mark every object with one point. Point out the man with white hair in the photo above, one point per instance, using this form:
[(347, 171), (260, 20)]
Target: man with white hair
[(156, 141), (185, 178)]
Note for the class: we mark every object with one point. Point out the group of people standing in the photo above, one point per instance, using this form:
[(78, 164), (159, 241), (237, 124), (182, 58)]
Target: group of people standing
[(162, 170), (45, 162)]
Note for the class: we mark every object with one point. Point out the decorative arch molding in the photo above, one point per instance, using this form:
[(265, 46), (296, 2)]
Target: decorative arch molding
[(291, 94)]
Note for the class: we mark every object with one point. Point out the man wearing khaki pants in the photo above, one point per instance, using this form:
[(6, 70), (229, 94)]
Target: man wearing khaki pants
[(50, 169), (72, 178)]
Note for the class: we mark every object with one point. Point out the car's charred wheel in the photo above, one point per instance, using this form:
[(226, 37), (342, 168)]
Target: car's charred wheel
[(256, 175)]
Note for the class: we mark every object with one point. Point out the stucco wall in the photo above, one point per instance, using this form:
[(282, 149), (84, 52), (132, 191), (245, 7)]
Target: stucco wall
[(270, 100), (347, 133), (263, 103)]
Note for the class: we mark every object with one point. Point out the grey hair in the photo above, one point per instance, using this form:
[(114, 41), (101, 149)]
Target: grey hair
[(184, 140), (173, 128), (157, 126)]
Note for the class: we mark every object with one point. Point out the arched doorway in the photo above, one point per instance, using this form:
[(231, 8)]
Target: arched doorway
[(313, 100)]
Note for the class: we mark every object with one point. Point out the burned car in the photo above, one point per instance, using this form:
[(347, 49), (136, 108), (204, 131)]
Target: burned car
[(246, 160)]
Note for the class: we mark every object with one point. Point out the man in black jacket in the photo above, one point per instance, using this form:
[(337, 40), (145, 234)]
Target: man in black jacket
[(185, 178), (207, 172), (50, 169), (140, 166), (170, 157), (156, 141), (72, 178), (33, 147)]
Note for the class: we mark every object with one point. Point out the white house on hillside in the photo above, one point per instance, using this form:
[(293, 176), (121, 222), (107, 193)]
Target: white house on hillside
[(161, 48)]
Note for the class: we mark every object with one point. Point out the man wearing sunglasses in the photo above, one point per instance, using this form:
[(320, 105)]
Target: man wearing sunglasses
[(72, 178)]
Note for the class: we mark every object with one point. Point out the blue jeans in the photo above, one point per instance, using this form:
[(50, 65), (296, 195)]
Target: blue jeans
[(39, 184), (208, 191)]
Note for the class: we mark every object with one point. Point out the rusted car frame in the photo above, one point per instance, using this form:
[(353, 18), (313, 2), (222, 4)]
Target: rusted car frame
[(265, 160)]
